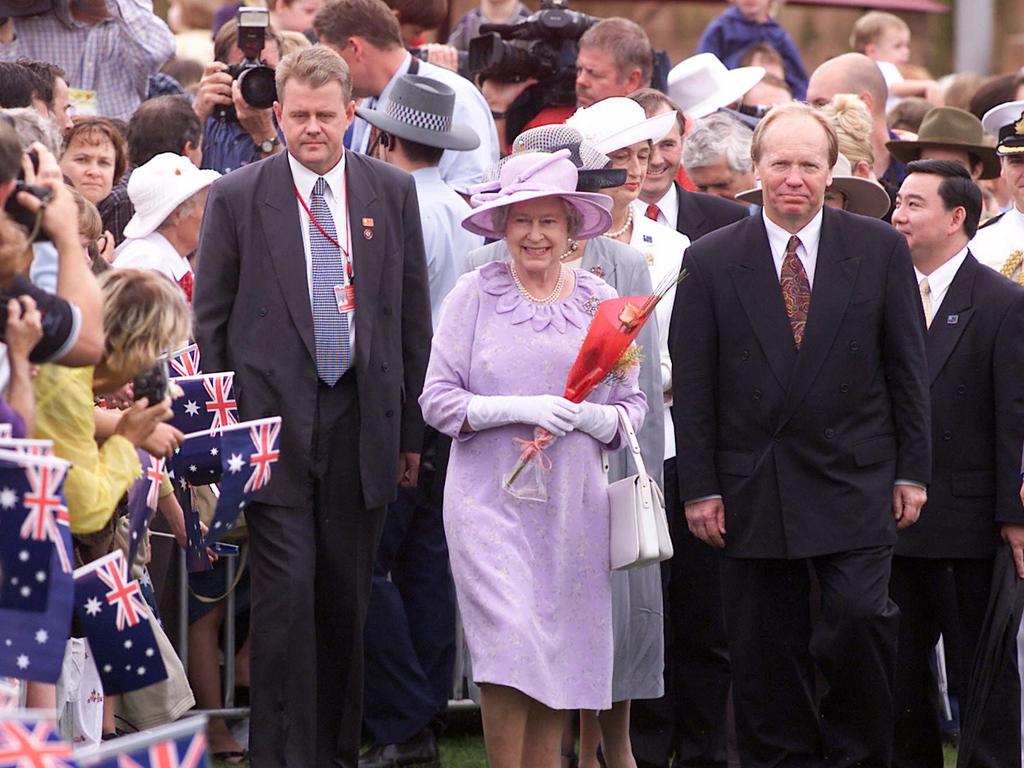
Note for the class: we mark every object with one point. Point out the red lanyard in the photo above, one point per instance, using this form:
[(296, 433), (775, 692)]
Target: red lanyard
[(318, 225)]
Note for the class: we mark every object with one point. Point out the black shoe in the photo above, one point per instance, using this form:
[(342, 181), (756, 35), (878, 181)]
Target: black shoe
[(419, 751)]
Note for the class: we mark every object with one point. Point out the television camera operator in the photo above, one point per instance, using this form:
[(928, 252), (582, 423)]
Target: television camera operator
[(236, 94)]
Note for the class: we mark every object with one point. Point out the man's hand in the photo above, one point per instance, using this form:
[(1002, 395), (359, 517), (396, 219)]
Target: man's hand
[(907, 501), (60, 214), (441, 55), (706, 520), (214, 90), (1013, 535), (258, 123), (408, 470), (500, 95), (24, 327)]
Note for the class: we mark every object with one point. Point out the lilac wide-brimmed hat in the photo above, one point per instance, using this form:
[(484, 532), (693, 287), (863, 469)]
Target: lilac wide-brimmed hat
[(531, 175)]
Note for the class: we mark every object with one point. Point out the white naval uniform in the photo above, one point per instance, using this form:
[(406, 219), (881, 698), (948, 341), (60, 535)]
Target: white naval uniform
[(996, 242)]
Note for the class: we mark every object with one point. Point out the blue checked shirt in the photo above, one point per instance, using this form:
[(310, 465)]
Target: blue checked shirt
[(114, 58)]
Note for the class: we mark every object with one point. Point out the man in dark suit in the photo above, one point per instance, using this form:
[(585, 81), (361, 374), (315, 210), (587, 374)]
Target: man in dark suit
[(689, 721), (312, 287), (798, 348), (942, 567)]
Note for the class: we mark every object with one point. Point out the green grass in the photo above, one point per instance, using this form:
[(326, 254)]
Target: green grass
[(462, 745)]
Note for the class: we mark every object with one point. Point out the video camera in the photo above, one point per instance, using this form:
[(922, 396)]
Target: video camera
[(542, 46), (255, 79), (10, 8)]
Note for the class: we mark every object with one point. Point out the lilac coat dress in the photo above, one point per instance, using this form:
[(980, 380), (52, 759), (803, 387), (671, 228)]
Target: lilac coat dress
[(532, 578)]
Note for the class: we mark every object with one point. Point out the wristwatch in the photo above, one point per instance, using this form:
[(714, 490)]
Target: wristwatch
[(267, 146)]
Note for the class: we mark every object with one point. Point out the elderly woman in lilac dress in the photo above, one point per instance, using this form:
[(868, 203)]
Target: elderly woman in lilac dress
[(532, 577)]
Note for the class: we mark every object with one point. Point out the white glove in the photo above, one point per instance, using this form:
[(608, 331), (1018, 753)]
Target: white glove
[(601, 422), (555, 414)]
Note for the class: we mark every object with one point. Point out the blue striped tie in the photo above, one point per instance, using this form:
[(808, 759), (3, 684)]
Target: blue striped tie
[(330, 327)]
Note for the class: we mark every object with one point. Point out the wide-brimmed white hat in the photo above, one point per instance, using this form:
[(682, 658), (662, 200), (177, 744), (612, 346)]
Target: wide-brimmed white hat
[(863, 196), (528, 176), (618, 122), (158, 187), (701, 84)]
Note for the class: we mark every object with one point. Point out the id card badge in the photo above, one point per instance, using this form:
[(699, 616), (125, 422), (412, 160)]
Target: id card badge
[(345, 295)]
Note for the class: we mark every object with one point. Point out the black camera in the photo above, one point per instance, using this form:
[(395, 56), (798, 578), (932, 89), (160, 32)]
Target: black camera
[(10, 8), (152, 384), (22, 215), (255, 79)]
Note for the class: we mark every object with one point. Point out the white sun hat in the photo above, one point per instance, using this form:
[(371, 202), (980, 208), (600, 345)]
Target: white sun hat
[(701, 84), (158, 187), (618, 122)]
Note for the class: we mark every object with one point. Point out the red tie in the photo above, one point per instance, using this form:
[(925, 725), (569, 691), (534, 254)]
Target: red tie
[(185, 283), (796, 290), (653, 212)]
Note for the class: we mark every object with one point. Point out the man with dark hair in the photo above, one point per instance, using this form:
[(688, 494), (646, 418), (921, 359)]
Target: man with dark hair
[(16, 85), (51, 91), (163, 124), (942, 567), (367, 35)]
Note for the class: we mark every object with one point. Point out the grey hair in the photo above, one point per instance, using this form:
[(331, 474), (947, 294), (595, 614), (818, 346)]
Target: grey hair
[(716, 135), (31, 126), (574, 217), (184, 209)]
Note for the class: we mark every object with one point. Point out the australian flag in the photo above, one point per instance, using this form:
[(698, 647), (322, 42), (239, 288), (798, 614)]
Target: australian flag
[(115, 616), (197, 559), (178, 745), (35, 557), (185, 361), (30, 741), (143, 497), (207, 404)]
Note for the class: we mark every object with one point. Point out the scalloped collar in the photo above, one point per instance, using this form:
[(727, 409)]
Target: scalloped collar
[(496, 280)]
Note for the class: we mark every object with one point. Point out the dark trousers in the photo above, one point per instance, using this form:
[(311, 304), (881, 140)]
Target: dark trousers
[(410, 627), (311, 569), (689, 721), (776, 650), (935, 596)]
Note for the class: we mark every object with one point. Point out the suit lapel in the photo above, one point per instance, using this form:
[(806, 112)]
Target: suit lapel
[(283, 234), (757, 286), (364, 219), (951, 318), (834, 275), (690, 217)]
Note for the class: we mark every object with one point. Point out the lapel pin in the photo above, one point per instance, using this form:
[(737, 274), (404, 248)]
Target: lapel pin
[(368, 234), (648, 239), (952, 319), (368, 222)]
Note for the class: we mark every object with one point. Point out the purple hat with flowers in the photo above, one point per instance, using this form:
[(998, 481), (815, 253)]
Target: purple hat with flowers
[(531, 175)]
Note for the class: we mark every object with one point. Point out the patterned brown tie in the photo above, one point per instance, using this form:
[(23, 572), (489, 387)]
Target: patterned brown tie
[(796, 290)]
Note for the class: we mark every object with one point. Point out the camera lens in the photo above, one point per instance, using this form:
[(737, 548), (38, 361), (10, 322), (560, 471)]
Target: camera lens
[(257, 86)]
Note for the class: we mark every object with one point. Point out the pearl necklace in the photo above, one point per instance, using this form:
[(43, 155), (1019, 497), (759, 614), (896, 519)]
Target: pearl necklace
[(621, 230), (551, 298)]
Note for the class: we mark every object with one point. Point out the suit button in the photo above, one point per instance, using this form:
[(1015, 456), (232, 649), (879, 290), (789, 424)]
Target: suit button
[(844, 388), (389, 413), (854, 346), (947, 435), (270, 371), (384, 367), (830, 433), (387, 310), (961, 389), (757, 394), (262, 312), (745, 355)]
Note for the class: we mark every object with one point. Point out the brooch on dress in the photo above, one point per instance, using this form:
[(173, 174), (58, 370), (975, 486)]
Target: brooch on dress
[(597, 270), (590, 305)]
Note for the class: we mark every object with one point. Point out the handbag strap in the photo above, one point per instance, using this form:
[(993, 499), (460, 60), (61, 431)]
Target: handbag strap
[(631, 441)]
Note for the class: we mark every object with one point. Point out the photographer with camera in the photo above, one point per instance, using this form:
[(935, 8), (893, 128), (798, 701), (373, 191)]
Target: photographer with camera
[(237, 132), (367, 36), (107, 48)]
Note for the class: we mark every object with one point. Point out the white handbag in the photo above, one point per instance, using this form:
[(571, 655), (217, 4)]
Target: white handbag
[(638, 526)]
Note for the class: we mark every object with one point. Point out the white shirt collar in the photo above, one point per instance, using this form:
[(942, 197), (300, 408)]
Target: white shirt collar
[(810, 235), (940, 280), (305, 179), (669, 206)]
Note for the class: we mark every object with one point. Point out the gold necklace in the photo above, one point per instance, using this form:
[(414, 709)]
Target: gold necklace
[(551, 298), (618, 232)]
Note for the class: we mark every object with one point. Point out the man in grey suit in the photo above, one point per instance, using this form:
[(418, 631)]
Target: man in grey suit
[(312, 287)]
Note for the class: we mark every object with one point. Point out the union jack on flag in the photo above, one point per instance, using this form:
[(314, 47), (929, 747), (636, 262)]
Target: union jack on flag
[(46, 510), (181, 744), (33, 744), (206, 404), (185, 361), (143, 497), (264, 438)]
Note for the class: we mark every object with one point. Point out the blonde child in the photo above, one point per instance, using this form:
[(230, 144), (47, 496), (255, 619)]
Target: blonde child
[(885, 38)]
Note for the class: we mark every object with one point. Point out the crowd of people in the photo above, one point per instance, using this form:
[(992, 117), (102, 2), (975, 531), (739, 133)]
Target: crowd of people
[(402, 260)]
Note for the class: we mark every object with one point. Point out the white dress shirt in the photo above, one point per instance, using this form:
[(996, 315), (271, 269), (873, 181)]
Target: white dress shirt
[(940, 280), (152, 252), (663, 248), (995, 243), (807, 251), (668, 208), (337, 203)]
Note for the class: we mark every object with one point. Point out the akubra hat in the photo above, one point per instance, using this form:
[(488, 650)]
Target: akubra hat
[(1006, 122), (863, 196), (531, 175), (420, 109), (949, 128)]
